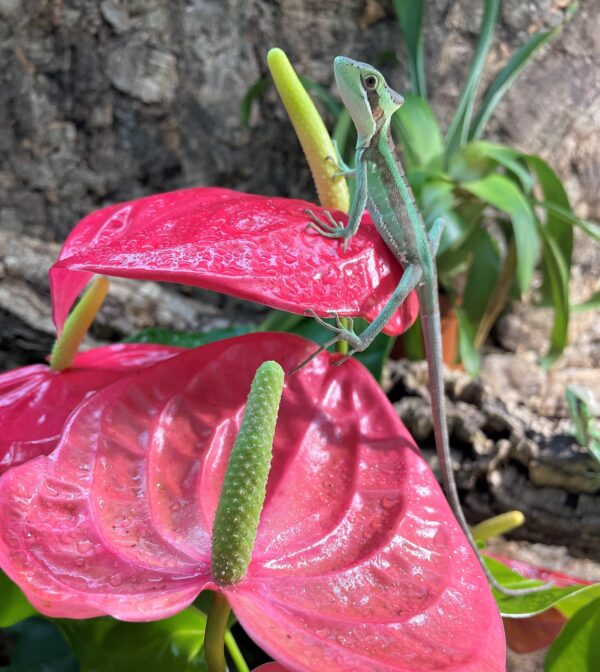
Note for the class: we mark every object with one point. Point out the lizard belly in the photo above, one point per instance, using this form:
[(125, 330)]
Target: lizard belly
[(388, 227)]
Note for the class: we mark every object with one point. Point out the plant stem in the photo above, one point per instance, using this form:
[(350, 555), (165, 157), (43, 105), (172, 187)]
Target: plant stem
[(216, 629), (77, 324), (235, 653), (342, 346)]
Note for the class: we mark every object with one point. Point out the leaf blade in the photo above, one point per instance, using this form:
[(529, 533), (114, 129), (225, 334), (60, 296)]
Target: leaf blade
[(501, 193), (410, 18), (459, 127)]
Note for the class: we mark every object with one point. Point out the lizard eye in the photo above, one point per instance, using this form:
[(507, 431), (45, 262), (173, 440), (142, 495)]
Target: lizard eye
[(370, 82)]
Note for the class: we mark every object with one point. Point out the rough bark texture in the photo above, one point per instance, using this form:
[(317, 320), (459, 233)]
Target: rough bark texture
[(102, 101), (511, 449)]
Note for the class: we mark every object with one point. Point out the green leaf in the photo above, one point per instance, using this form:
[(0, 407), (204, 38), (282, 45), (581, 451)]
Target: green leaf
[(592, 303), (14, 606), (557, 272), (505, 78), (466, 343), (587, 431), (577, 647), (185, 339), (279, 320), (554, 192), (106, 645), (39, 647), (482, 275), (462, 222), (534, 603), (413, 347), (410, 18), (576, 601), (503, 194), (415, 125), (459, 128), (566, 215), (344, 136), (481, 157), (254, 92), (319, 92)]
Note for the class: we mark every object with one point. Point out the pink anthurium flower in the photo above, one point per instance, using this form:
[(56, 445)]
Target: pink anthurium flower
[(35, 401), (253, 247), (358, 562)]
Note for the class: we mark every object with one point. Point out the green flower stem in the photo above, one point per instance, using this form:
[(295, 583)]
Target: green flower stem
[(244, 486), (216, 628), (234, 653), (494, 527), (77, 324), (314, 138)]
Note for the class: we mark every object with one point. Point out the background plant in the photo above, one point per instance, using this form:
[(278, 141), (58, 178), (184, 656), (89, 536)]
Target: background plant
[(507, 211)]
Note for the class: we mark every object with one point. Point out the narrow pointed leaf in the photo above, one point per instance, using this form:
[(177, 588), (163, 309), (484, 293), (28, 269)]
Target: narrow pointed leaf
[(557, 228), (358, 563), (481, 157), (592, 303), (410, 17), (501, 193), (459, 128), (255, 92), (505, 78), (482, 275), (557, 274), (417, 129), (253, 247)]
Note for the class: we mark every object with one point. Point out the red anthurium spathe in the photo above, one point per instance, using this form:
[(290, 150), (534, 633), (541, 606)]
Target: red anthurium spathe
[(253, 247), (35, 401), (358, 562)]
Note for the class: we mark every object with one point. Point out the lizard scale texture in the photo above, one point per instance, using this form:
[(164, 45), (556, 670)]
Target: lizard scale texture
[(244, 485)]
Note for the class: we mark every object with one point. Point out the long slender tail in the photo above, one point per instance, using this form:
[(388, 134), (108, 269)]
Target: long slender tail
[(432, 336)]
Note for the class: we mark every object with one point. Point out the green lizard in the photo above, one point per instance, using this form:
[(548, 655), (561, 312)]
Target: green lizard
[(382, 188)]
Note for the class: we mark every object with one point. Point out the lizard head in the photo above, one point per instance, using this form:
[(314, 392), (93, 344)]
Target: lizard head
[(366, 95)]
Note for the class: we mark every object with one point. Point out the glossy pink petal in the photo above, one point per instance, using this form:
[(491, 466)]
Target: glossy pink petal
[(358, 563), (35, 402), (253, 247)]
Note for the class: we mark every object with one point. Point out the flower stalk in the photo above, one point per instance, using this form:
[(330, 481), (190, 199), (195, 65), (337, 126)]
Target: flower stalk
[(494, 527), (311, 131), (77, 325)]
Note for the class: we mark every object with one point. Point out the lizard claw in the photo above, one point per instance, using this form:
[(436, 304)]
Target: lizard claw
[(329, 229)]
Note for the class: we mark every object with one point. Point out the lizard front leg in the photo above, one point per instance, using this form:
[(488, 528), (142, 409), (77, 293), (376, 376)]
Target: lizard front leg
[(359, 342), (334, 229), (343, 169)]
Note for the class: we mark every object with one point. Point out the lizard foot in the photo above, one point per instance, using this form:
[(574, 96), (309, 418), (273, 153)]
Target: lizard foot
[(329, 229), (341, 334)]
